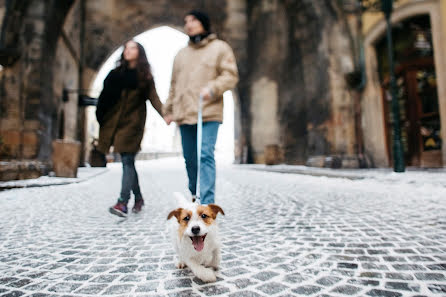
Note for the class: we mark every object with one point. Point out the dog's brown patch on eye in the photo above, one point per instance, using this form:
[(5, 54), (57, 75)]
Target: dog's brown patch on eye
[(181, 215), (210, 213), (208, 217), (183, 220)]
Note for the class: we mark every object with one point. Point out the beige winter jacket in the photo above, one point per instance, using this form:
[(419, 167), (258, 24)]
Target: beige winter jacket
[(210, 63)]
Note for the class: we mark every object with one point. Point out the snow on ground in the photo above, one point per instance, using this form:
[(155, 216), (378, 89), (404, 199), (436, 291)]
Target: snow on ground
[(283, 235)]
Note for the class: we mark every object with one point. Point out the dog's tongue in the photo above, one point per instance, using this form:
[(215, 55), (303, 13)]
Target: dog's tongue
[(198, 242)]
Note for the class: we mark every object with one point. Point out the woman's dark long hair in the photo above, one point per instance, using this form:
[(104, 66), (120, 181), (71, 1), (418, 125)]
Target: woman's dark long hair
[(142, 66)]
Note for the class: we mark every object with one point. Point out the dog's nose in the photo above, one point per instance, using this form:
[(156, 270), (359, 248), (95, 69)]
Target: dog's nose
[(195, 230)]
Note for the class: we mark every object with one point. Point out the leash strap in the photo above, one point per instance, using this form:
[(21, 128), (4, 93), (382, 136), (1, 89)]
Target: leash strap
[(199, 142)]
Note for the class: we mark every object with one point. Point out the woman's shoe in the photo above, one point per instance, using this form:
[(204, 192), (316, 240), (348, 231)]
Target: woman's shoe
[(138, 205), (120, 209)]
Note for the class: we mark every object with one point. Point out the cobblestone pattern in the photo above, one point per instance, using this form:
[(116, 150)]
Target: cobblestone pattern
[(283, 235)]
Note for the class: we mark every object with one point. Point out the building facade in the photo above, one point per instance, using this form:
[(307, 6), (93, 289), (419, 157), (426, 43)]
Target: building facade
[(296, 60)]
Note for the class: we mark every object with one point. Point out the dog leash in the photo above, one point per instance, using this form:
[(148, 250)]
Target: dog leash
[(199, 142)]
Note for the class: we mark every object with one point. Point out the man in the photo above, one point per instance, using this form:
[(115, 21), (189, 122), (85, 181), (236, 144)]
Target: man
[(207, 68)]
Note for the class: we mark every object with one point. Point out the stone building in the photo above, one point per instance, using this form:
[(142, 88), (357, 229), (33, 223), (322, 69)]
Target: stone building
[(296, 60)]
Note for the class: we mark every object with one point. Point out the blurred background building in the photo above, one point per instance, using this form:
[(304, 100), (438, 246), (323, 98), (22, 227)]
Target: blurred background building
[(313, 88)]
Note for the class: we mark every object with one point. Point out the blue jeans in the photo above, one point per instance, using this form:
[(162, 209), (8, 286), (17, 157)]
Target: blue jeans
[(207, 170), (129, 178)]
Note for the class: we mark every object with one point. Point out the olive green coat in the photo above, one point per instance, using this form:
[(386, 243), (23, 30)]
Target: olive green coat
[(123, 125)]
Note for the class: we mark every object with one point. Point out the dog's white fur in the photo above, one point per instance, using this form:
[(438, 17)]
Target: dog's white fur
[(203, 263)]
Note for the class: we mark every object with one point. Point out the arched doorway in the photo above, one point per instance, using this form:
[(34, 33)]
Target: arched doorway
[(418, 31), (417, 92), (161, 45)]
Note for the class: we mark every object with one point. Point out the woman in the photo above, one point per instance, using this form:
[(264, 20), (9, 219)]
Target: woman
[(121, 113)]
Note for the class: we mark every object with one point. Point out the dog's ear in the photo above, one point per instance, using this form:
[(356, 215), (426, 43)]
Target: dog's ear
[(175, 213), (215, 209)]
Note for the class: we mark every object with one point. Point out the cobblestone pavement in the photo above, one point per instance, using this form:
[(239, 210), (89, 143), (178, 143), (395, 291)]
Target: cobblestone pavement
[(283, 235)]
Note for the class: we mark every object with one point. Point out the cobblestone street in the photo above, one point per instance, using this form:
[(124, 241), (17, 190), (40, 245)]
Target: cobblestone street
[(283, 235)]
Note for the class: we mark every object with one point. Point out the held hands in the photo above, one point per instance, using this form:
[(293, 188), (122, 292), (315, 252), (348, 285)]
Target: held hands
[(206, 93), (168, 119)]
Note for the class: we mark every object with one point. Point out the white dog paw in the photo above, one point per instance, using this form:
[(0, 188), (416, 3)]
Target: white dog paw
[(207, 276), (181, 265), (213, 266)]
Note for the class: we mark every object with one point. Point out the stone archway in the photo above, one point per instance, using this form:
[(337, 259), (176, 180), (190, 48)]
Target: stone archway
[(291, 92), (110, 23)]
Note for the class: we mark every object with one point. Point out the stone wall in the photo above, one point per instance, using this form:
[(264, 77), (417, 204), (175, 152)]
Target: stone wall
[(299, 53), (30, 100), (20, 100)]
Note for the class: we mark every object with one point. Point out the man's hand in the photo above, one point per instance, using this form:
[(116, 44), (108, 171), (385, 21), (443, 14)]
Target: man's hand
[(168, 119), (206, 93)]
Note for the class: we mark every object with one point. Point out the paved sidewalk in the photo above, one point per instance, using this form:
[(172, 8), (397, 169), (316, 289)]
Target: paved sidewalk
[(283, 235)]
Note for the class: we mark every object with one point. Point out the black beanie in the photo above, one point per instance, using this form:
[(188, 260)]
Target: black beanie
[(203, 18)]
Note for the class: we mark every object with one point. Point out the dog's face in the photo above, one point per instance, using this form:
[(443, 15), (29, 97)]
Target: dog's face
[(195, 222)]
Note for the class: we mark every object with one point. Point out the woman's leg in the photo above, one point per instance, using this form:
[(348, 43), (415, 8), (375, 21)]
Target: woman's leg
[(129, 178), (135, 187)]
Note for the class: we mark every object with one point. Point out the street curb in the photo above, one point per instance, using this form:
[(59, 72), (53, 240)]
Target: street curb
[(410, 175), (32, 183), (307, 172)]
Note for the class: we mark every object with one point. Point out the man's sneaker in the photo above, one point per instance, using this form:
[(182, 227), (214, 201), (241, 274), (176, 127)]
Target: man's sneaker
[(138, 205), (120, 209)]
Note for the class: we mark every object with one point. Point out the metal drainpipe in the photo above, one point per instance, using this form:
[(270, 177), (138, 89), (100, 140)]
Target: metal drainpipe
[(359, 89), (81, 110), (81, 40), (398, 149)]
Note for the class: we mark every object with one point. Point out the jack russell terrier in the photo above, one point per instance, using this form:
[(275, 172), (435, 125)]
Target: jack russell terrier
[(195, 237)]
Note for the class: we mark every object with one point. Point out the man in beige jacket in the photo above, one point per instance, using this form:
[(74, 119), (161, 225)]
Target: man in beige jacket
[(207, 68)]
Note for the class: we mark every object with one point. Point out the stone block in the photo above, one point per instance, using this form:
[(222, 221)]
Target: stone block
[(31, 125), (350, 162), (65, 157), (10, 123), (333, 162), (24, 169), (259, 158), (29, 174), (10, 137), (5, 151), (29, 151), (30, 138), (316, 161), (8, 175), (272, 154)]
